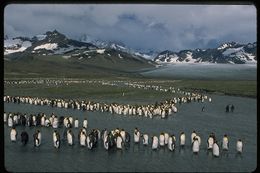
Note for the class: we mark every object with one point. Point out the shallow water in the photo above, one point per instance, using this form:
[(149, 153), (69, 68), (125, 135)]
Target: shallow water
[(240, 124), (205, 71)]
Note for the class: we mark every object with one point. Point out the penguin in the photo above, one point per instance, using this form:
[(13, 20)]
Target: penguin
[(82, 139), (136, 135), (85, 123), (39, 136), (232, 108), (122, 134), (215, 149), (89, 142), (76, 123), (239, 146), (43, 120), (55, 122), (155, 142), (10, 121), (103, 134), (170, 143), (166, 138), (225, 143), (71, 120), (193, 134), (227, 108), (127, 138), (161, 139), (195, 145), (5, 117), (47, 122), (70, 137), (210, 142), (106, 142), (119, 142), (36, 139), (182, 139), (145, 139), (56, 139), (199, 139), (13, 135), (24, 137)]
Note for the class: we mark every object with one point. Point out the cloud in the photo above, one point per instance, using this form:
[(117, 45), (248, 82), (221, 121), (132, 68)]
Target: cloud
[(144, 26)]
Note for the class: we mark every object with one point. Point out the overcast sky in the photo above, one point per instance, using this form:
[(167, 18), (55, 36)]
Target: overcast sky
[(159, 27)]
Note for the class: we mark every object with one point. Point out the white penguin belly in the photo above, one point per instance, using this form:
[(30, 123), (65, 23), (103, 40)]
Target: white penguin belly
[(196, 146), (215, 150)]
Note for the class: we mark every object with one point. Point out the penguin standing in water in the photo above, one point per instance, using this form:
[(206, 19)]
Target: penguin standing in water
[(145, 139), (127, 140), (10, 121), (193, 134), (182, 139), (161, 140), (210, 141), (122, 133), (13, 134), (239, 146), (76, 123), (232, 108), (56, 139), (70, 137), (136, 135), (55, 122), (195, 145), (166, 138), (37, 138), (215, 149), (227, 108), (24, 137), (225, 143), (85, 123), (171, 143), (119, 142), (89, 142), (155, 142), (5, 117), (82, 139), (105, 141)]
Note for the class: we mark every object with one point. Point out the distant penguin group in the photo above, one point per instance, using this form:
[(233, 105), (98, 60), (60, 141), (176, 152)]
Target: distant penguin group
[(230, 108)]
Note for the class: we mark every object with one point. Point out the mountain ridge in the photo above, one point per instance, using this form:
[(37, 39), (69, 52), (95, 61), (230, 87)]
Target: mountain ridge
[(56, 43), (230, 52)]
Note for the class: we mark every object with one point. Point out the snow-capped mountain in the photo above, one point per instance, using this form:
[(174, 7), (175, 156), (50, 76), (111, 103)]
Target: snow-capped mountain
[(233, 53), (45, 44), (118, 46), (55, 43), (17, 44)]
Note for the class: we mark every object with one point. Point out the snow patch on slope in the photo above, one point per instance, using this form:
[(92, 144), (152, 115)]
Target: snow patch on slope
[(232, 50), (47, 46), (100, 51), (41, 37), (120, 56), (15, 45)]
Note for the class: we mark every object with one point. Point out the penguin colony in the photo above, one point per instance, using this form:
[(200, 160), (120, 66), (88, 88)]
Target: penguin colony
[(115, 138), (163, 109)]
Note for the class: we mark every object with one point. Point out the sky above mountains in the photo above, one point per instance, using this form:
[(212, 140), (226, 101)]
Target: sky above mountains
[(139, 26)]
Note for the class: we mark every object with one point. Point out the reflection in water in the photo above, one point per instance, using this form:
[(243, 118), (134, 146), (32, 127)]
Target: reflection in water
[(136, 147), (239, 155), (224, 153)]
